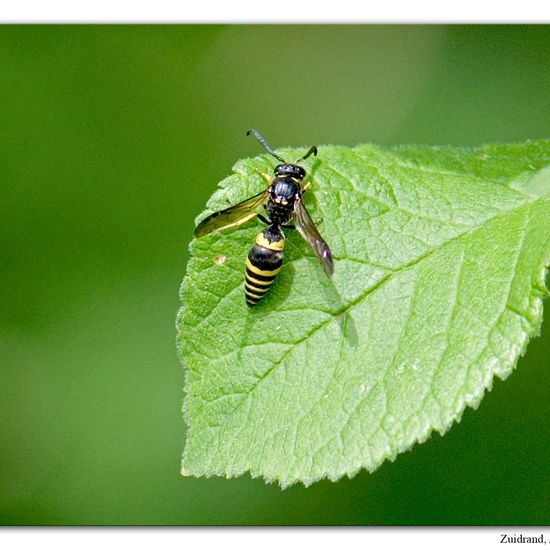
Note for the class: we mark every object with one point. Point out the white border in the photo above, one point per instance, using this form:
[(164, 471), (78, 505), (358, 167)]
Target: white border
[(279, 11), (358, 538)]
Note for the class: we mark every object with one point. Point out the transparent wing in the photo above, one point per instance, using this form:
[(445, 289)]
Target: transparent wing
[(305, 226), (232, 216)]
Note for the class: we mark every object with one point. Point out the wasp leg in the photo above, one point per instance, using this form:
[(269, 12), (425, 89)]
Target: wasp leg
[(265, 176), (265, 220), (306, 187)]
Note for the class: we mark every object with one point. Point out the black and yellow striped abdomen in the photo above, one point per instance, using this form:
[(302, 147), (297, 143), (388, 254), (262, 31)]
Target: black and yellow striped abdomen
[(264, 262)]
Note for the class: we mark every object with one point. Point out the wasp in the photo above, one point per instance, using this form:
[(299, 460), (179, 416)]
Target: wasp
[(282, 202)]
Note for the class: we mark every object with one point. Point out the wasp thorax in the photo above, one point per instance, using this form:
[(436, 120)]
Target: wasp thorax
[(285, 190)]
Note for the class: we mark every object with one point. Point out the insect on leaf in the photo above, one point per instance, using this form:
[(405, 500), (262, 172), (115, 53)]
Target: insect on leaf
[(439, 276)]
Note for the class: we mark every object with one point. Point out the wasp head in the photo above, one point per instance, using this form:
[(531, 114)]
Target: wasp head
[(292, 170)]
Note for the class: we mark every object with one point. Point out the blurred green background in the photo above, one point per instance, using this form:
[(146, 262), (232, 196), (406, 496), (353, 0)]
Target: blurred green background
[(112, 139)]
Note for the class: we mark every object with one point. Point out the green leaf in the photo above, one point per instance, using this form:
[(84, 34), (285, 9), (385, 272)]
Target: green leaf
[(440, 263)]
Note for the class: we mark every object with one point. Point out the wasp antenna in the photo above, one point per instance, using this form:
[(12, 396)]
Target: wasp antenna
[(312, 151), (264, 144)]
